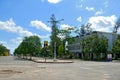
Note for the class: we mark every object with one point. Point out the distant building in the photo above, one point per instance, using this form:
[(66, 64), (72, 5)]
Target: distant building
[(76, 48), (7, 52)]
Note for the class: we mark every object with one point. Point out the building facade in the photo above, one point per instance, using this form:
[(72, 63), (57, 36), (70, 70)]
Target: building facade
[(76, 48)]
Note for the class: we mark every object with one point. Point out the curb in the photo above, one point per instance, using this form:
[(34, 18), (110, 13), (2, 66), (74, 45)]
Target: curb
[(59, 61)]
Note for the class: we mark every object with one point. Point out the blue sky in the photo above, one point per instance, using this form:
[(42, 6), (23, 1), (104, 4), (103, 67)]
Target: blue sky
[(19, 18)]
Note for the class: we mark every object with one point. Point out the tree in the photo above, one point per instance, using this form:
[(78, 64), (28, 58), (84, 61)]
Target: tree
[(117, 26), (103, 42), (30, 45), (65, 36), (17, 51), (53, 37), (116, 46), (94, 45), (44, 53), (84, 29), (61, 50), (2, 49)]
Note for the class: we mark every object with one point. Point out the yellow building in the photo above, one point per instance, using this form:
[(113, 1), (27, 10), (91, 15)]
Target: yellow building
[(7, 52)]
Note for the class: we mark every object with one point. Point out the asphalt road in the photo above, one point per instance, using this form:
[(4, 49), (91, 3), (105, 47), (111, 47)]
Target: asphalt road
[(14, 69)]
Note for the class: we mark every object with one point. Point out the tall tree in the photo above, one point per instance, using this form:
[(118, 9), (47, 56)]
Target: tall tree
[(84, 29), (65, 36), (54, 37)]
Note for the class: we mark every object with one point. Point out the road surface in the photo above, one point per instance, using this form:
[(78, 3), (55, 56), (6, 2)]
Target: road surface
[(14, 69)]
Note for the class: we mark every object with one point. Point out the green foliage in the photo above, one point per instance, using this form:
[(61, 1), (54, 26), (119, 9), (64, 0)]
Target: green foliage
[(84, 29), (30, 45), (56, 37), (2, 49), (44, 52), (61, 50), (116, 46), (118, 37), (94, 44)]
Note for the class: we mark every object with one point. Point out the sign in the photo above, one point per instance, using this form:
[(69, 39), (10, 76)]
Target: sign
[(45, 44)]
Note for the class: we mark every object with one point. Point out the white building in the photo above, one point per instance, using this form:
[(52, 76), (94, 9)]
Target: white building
[(76, 48)]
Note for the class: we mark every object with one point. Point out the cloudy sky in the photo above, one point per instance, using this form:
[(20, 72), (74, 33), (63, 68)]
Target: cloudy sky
[(19, 18)]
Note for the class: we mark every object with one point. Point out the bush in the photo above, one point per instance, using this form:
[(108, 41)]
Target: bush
[(118, 58)]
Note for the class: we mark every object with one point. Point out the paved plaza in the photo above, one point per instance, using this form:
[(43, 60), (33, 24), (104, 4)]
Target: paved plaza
[(14, 69)]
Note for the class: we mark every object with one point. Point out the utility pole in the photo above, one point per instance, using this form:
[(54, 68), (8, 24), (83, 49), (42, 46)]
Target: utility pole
[(54, 22)]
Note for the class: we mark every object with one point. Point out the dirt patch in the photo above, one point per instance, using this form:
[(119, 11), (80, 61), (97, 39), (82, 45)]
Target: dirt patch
[(9, 72)]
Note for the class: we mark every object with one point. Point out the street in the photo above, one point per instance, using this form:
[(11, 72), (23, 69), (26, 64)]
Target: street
[(14, 69)]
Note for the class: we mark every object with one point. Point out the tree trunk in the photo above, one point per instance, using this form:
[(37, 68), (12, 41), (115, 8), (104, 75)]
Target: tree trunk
[(30, 56)]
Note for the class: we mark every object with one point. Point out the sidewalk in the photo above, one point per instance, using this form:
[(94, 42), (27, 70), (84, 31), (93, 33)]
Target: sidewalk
[(43, 60)]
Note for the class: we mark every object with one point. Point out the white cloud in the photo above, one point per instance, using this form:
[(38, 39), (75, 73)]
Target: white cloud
[(45, 36), (6, 44), (79, 19), (17, 40), (90, 8), (40, 25), (61, 36), (99, 12), (10, 26), (54, 1), (23, 32), (3, 42), (65, 27), (102, 23)]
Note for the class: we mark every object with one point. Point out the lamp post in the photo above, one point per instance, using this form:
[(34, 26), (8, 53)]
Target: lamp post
[(54, 22)]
